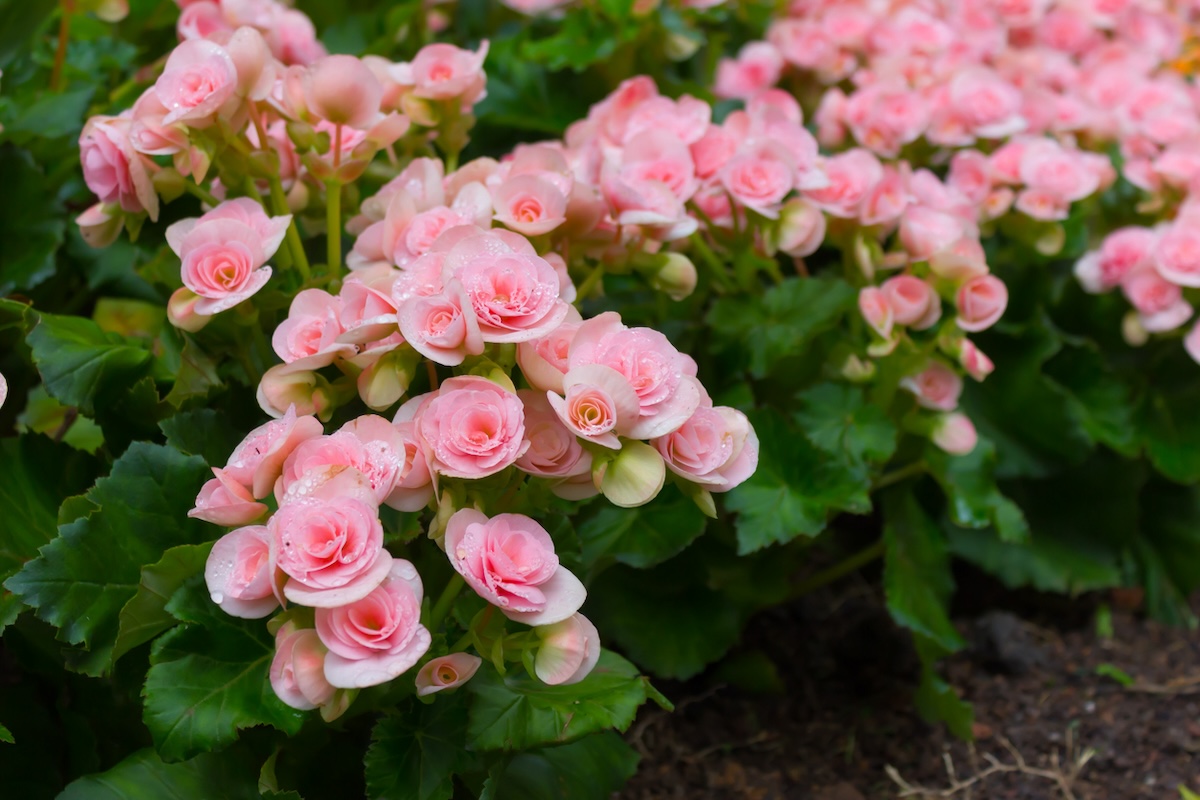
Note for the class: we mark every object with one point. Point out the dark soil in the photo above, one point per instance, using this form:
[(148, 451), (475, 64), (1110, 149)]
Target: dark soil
[(1035, 672)]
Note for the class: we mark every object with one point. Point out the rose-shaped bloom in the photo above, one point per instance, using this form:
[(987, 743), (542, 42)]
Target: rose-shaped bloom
[(662, 377), (298, 669), (442, 327), (543, 360), (716, 448), (309, 335), (554, 451), (239, 573), (530, 204), (368, 312), (756, 69), (199, 77), (986, 104), (925, 231), (376, 638), (224, 501), (759, 178), (1159, 302), (913, 301), (472, 428), (113, 169), (331, 550), (877, 310), (379, 461), (569, 651), (443, 72), (851, 175), (801, 228), (599, 404), (981, 302), (446, 672), (1124, 251), (1177, 256), (509, 561), (937, 387), (342, 90), (258, 461), (955, 433)]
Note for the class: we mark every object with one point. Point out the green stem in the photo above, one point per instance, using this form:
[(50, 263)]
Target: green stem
[(589, 283), (442, 607), (279, 206), (902, 473), (838, 570), (333, 228), (716, 266), (196, 190)]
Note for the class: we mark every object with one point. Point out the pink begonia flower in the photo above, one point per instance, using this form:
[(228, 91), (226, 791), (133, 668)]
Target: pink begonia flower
[(885, 117), (569, 651), (955, 433), (256, 67), (342, 90), (513, 291), (877, 310), (716, 448), (650, 204), (534, 7), (987, 105), (756, 68), (292, 37), (445, 72), (925, 231), (684, 119), (442, 327), (801, 229), (378, 637), (913, 301), (297, 671), (936, 387), (239, 574), (1177, 255), (599, 403), (1123, 252), (368, 310), (974, 361), (509, 561), (382, 461), (981, 302), (852, 175), (202, 20), (181, 311), (472, 428), (713, 150), (530, 204), (1159, 302), (543, 360), (147, 132), (1191, 343), (971, 174), (1047, 166), (663, 378), (198, 79), (113, 169), (99, 225), (962, 260), (554, 451), (224, 252), (257, 462), (330, 549), (224, 501), (660, 156), (760, 177), (413, 487), (887, 199), (309, 337), (446, 672), (3, 389)]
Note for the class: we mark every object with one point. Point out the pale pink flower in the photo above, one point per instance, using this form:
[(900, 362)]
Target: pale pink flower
[(444, 72), (1191, 343), (509, 560), (472, 428), (442, 327), (913, 301), (202, 20), (554, 451), (569, 651), (852, 175), (297, 671), (543, 360), (756, 68), (1047, 166), (343, 91), (1123, 252), (224, 501), (875, 308), (599, 403), (971, 174), (1159, 302), (113, 169), (239, 574), (801, 229), (955, 433), (716, 448), (198, 79), (446, 672), (377, 637), (887, 199), (712, 150), (331, 550), (257, 461), (1177, 255), (760, 177), (99, 225), (148, 134), (925, 231), (936, 387), (988, 105), (310, 334), (981, 302), (974, 361), (292, 37), (529, 204)]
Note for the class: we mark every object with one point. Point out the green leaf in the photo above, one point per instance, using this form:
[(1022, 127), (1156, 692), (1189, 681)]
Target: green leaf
[(1168, 550), (1116, 673), (972, 495), (52, 115), (665, 619), (6, 736), (84, 577), (516, 712), (44, 414), (1099, 398), (916, 573), (144, 776), (195, 374), (415, 755), (145, 615), (1170, 432), (592, 768), (203, 432), (208, 679), (935, 699), (643, 536), (795, 488), (81, 364), (837, 418), (19, 23), (31, 224), (1048, 563), (779, 323)]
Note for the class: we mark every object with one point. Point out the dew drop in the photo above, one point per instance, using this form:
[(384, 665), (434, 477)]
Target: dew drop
[(218, 598)]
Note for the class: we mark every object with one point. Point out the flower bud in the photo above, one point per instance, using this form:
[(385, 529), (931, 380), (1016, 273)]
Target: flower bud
[(342, 90), (283, 385), (1132, 330), (857, 370), (446, 672), (100, 225), (181, 310), (569, 652), (801, 228), (955, 433), (633, 478), (255, 65), (673, 274), (386, 379)]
